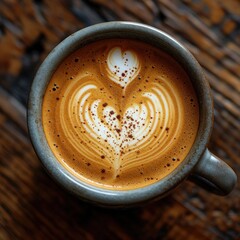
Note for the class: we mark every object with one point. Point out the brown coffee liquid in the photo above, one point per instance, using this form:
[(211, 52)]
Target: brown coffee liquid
[(120, 114)]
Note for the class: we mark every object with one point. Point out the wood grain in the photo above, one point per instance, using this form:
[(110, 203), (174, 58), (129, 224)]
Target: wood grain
[(32, 206)]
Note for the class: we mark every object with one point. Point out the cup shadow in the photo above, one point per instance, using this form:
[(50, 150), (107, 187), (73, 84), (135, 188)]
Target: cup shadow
[(53, 213)]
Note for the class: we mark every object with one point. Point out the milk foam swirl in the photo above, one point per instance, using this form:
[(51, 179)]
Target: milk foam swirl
[(122, 138)]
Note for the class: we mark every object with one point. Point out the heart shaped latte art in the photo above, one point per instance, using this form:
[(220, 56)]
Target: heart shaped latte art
[(123, 67), (125, 136)]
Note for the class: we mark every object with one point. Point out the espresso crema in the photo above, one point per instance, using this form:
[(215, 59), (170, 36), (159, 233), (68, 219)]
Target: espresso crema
[(120, 114)]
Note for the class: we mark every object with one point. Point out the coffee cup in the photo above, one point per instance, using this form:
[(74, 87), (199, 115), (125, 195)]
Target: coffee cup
[(120, 114)]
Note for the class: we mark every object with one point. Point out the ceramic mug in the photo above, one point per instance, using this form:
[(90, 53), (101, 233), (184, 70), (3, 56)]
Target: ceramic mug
[(200, 165)]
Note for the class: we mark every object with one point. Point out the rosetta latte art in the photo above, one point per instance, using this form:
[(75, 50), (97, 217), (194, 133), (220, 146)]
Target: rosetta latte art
[(117, 117)]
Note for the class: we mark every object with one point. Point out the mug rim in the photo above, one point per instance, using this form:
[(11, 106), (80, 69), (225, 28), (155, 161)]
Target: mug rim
[(97, 195)]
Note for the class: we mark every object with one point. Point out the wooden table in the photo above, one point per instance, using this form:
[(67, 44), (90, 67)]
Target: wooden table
[(32, 206)]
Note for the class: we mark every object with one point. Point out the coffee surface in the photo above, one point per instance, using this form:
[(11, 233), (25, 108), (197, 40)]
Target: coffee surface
[(120, 114)]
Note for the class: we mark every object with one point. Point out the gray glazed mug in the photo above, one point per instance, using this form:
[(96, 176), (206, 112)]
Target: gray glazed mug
[(200, 165)]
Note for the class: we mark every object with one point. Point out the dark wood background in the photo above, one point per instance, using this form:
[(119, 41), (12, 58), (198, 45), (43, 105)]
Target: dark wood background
[(32, 206)]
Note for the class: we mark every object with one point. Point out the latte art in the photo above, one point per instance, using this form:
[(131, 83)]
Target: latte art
[(117, 118), (123, 67), (114, 137)]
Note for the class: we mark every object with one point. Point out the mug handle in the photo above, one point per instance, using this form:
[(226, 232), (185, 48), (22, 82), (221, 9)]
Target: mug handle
[(213, 174)]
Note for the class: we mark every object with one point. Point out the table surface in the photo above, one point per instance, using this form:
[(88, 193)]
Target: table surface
[(32, 206)]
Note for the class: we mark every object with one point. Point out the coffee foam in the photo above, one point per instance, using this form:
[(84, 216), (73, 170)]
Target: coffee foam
[(119, 117)]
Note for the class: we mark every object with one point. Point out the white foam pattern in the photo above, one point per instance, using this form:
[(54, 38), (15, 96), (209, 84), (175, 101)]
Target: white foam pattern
[(123, 67), (140, 133)]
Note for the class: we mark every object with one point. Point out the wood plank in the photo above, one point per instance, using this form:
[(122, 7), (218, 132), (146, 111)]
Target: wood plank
[(32, 205)]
